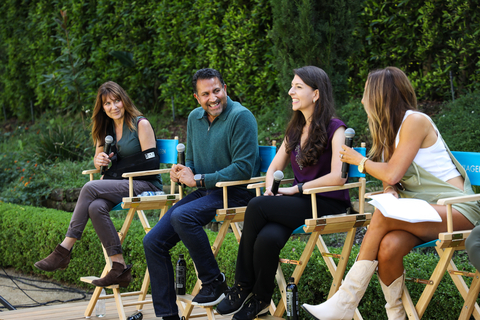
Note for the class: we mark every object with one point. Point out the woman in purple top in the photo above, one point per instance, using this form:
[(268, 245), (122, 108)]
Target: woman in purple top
[(312, 136)]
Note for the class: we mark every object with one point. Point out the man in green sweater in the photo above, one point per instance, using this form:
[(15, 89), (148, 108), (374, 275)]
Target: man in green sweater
[(221, 146)]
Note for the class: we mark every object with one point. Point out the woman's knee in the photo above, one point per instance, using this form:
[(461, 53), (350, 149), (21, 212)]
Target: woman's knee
[(99, 207), (391, 248)]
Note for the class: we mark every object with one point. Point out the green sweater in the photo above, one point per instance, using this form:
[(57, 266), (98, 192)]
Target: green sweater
[(226, 149)]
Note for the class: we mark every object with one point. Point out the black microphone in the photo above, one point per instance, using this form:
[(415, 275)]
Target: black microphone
[(108, 145), (181, 156), (349, 134), (181, 153), (277, 178)]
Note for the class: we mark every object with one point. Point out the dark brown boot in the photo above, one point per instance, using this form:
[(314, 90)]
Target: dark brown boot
[(118, 275), (58, 259)]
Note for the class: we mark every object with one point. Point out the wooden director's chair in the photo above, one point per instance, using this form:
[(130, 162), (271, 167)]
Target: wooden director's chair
[(230, 217), (446, 245), (325, 225), (168, 155)]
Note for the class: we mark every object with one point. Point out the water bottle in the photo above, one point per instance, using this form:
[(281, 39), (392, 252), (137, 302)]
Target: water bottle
[(150, 193), (181, 279), (292, 300), (100, 309)]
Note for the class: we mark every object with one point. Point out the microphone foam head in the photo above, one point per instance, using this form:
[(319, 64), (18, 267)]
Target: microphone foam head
[(278, 175), (180, 147), (349, 133), (108, 139)]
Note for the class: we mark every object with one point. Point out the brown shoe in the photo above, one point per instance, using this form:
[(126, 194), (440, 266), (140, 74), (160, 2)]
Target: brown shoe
[(118, 275), (58, 259)]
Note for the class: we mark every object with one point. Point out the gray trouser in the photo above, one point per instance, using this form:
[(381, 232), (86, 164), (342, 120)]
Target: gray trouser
[(96, 200), (472, 245)]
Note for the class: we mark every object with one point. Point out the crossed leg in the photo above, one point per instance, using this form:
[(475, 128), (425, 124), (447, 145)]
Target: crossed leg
[(389, 240)]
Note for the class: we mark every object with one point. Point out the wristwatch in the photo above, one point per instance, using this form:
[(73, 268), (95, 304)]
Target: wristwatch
[(199, 180), (361, 166), (300, 187)]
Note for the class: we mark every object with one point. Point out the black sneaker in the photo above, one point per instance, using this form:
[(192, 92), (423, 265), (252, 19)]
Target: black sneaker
[(235, 297), (253, 308), (211, 293)]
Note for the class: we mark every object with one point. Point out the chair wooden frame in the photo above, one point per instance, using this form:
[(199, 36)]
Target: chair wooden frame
[(318, 227), (134, 205), (230, 217), (446, 245)]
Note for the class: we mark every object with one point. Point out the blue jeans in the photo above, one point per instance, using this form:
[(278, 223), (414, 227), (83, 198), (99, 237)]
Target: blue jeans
[(184, 221)]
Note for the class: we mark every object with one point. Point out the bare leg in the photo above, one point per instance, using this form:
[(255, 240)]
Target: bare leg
[(425, 231), (118, 258), (394, 246), (68, 243)]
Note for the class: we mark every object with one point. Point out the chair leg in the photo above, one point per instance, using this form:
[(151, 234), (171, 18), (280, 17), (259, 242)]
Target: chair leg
[(470, 301), (119, 304), (408, 305), (297, 273)]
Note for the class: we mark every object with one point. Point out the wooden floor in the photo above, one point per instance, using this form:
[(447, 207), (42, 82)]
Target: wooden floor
[(75, 311)]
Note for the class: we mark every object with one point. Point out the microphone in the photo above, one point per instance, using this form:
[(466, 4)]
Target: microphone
[(277, 178), (349, 134), (181, 153), (108, 145), (181, 156)]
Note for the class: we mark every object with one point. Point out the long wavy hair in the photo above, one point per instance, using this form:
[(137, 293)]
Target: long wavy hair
[(323, 112), (388, 95), (100, 120)]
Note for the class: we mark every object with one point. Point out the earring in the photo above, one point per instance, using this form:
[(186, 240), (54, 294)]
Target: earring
[(314, 101)]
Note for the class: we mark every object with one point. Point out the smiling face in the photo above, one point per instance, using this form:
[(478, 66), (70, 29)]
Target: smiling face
[(113, 107), (303, 96), (212, 96)]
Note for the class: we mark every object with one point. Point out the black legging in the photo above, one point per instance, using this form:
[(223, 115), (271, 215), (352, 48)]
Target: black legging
[(269, 222)]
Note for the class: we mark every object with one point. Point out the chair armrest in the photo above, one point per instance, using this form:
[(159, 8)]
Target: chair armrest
[(332, 188), (221, 184), (144, 173), (262, 184), (370, 194), (91, 171), (447, 201)]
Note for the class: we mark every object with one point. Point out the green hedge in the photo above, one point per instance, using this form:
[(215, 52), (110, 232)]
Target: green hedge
[(54, 62), (427, 39), (28, 234)]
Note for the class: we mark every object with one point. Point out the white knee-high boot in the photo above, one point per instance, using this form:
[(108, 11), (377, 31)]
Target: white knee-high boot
[(393, 296), (343, 303)]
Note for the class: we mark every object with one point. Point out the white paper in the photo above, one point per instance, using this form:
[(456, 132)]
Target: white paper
[(406, 209)]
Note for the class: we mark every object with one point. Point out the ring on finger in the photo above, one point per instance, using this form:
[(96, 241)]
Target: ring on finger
[(341, 156)]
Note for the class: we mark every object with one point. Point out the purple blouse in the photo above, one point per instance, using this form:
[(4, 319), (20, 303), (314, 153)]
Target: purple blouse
[(322, 167)]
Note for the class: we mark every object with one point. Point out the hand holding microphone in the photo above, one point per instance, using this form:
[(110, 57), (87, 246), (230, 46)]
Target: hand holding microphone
[(277, 178), (181, 156), (349, 134), (108, 145)]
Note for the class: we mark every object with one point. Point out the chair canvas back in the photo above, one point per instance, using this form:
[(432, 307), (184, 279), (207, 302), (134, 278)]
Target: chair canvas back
[(352, 169), (267, 153), (167, 150), (470, 161)]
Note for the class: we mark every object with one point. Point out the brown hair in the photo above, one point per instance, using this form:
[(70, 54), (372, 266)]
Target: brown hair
[(100, 120), (388, 95), (323, 112)]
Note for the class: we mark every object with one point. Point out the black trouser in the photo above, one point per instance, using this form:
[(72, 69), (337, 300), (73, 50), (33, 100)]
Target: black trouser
[(269, 222)]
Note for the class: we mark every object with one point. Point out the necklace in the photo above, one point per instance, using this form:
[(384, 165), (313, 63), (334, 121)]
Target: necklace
[(297, 156)]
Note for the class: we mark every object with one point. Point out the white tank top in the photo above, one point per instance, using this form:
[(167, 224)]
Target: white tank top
[(434, 159)]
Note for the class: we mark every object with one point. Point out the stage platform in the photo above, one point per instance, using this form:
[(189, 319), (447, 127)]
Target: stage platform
[(75, 311)]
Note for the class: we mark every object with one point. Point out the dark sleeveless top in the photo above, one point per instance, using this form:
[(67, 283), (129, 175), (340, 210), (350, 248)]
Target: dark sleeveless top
[(129, 144), (322, 167)]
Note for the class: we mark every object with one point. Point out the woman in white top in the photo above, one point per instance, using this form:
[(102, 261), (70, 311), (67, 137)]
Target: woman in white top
[(409, 156)]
